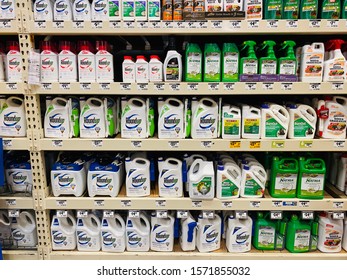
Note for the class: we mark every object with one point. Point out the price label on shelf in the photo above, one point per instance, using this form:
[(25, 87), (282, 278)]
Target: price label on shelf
[(5, 24), (61, 213), (181, 24), (85, 86), (338, 215), (193, 86), (134, 214), (11, 86), (57, 143), (216, 24), (235, 24), (304, 204), (229, 86), (128, 24), (161, 214), (105, 86), (99, 203), (315, 86), (125, 203), (338, 204), (78, 24), (168, 24), (136, 144), (206, 144), (97, 143), (235, 144), (254, 144), (213, 86), (254, 204), (286, 86), (277, 203), (197, 203), (40, 24), (289, 203), (227, 204), (58, 24), (11, 202), (337, 86), (332, 23), (276, 215), (306, 144), (115, 24), (182, 214), (125, 86), (272, 24), (250, 86), (268, 86), (155, 24), (307, 215), (241, 215), (97, 24), (201, 24), (277, 144), (314, 23), (46, 86), (159, 86), (207, 214), (13, 213), (142, 86), (142, 24), (253, 24), (160, 203), (339, 144), (191, 24), (174, 144), (292, 24), (61, 203), (175, 86), (65, 86), (82, 213), (6, 143), (108, 214)]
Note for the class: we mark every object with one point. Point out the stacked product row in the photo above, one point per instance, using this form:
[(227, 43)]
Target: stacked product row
[(11, 68), (149, 231), (202, 118)]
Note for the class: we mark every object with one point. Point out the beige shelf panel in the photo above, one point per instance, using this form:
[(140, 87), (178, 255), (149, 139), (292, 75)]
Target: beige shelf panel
[(9, 27), (16, 201), (183, 88), (191, 28), (16, 143), (11, 88), (20, 255)]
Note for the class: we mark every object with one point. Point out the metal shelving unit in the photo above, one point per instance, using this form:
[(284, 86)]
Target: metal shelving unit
[(20, 255), (16, 201), (11, 88)]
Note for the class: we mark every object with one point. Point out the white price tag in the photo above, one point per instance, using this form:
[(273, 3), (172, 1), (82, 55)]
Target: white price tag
[(272, 24), (125, 86), (40, 24), (57, 143), (61, 203), (268, 86), (276, 215), (97, 143), (227, 204), (182, 214), (216, 24), (168, 24), (78, 24), (99, 203), (11, 202), (339, 144), (155, 24), (85, 86), (180, 24), (250, 86), (13, 213), (277, 203), (128, 24), (241, 215), (105, 86), (286, 86), (108, 214), (161, 214), (332, 23), (159, 86), (191, 24), (175, 86), (160, 203), (142, 24), (125, 203), (46, 86), (197, 203), (5, 24), (193, 86), (229, 86), (65, 86), (11, 86), (235, 24), (213, 86), (338, 204), (338, 215), (142, 86), (58, 24), (115, 24), (82, 213), (207, 214), (307, 215), (304, 204), (136, 144), (174, 144), (253, 24), (337, 86), (315, 86), (134, 214), (292, 24), (6, 143), (255, 204), (61, 213), (201, 24), (314, 23), (206, 144), (97, 24)]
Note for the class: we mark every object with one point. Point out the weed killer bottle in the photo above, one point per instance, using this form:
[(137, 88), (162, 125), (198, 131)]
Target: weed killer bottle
[(172, 64), (48, 63), (14, 67), (67, 63)]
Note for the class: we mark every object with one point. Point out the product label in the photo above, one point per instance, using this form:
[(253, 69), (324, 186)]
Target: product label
[(279, 241), (104, 68), (67, 68), (332, 238), (229, 189), (273, 128), (250, 66), (60, 240), (82, 10), (86, 65), (232, 6), (252, 188), (287, 67), (102, 183), (314, 65), (251, 126), (86, 241), (274, 8), (155, 72), (171, 124), (206, 123), (337, 121), (268, 67), (114, 9), (291, 9), (331, 9), (337, 70), (140, 8), (301, 127), (211, 239), (194, 63), (312, 184), (128, 9), (142, 72), (266, 237), (253, 9), (302, 240), (14, 68), (203, 187), (231, 66), (135, 240), (7, 9), (153, 9), (110, 241), (169, 183), (62, 10), (285, 184), (231, 126), (128, 72), (161, 240), (172, 70), (242, 239), (214, 6), (65, 183), (212, 66)]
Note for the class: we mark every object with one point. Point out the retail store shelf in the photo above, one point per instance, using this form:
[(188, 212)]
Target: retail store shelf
[(239, 88), (202, 145), (191, 28), (16, 201), (11, 88), (20, 255), (16, 143), (8, 27), (154, 202)]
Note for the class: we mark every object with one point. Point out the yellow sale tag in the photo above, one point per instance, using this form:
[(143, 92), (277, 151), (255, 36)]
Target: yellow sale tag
[(254, 145), (235, 144)]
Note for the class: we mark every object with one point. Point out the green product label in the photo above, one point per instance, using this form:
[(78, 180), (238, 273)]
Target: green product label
[(279, 241), (140, 8), (285, 184), (212, 67), (231, 66), (203, 187), (231, 126), (252, 188), (153, 9), (194, 61), (266, 237), (228, 187), (273, 128), (251, 126), (114, 8), (302, 240), (301, 127), (128, 9), (309, 9), (274, 7), (314, 242), (312, 184), (331, 10)]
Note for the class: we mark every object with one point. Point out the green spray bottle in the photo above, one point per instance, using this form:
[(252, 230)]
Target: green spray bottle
[(281, 234), (314, 235), (75, 116), (344, 10), (273, 9), (230, 63), (331, 9), (287, 63), (268, 62), (264, 232), (309, 9), (298, 235), (248, 60), (193, 63), (290, 9), (212, 63)]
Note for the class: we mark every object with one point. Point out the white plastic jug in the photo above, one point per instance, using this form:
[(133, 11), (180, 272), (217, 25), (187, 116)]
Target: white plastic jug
[(81, 10), (239, 235), (12, 117), (188, 162), (43, 10), (134, 118), (253, 181), (205, 119), (62, 10), (63, 231), (113, 234), (57, 118), (311, 65), (341, 173), (275, 121), (209, 233), (19, 176), (23, 230), (329, 234), (162, 233), (100, 10), (88, 233), (5, 229), (92, 119), (201, 180), (170, 181), (228, 180), (138, 234), (137, 177), (251, 122), (231, 122), (302, 124), (171, 119), (188, 233)]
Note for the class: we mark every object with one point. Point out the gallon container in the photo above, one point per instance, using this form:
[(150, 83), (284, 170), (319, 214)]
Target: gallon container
[(162, 233), (201, 180), (186, 164), (341, 173), (208, 237), (105, 176), (88, 233), (62, 10), (43, 10), (12, 117), (311, 65), (344, 241), (49, 68), (239, 234), (298, 235), (228, 181), (284, 177), (334, 163), (334, 69), (275, 121), (251, 122), (128, 70), (138, 234), (253, 181), (311, 179), (134, 118), (92, 118), (302, 124), (230, 54), (63, 231), (264, 234), (5, 229), (137, 177), (23, 229), (188, 233), (231, 122), (81, 10), (204, 118), (170, 181), (330, 233), (113, 234)]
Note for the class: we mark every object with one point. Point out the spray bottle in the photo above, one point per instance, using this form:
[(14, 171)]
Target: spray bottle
[(287, 63), (334, 68), (330, 9), (268, 63), (249, 60)]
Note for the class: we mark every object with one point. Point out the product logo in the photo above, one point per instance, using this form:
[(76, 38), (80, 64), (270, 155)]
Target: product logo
[(80, 6), (207, 121), (170, 181), (132, 121), (40, 6), (107, 238), (138, 181), (211, 236), (141, 69), (102, 181), (128, 69), (155, 70), (60, 7), (46, 63), (58, 237), (162, 236), (5, 5), (90, 121), (287, 180), (312, 180), (103, 63), (11, 119), (99, 6), (56, 121), (17, 235), (18, 178), (65, 63), (170, 122), (85, 63), (83, 238), (64, 180), (134, 239), (242, 238), (13, 63)]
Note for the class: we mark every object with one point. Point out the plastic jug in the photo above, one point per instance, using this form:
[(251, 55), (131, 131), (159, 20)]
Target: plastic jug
[(62, 10), (302, 124), (231, 122), (311, 65), (330, 233), (204, 118), (63, 231), (170, 180), (334, 163), (134, 118), (253, 181), (228, 181), (23, 230), (100, 10), (12, 117), (81, 10), (138, 234), (5, 229), (251, 122), (341, 173), (264, 232), (88, 233), (137, 177), (43, 10), (239, 234), (275, 121), (13, 62), (113, 234), (298, 235), (171, 119), (92, 118), (188, 233), (201, 180), (162, 233), (208, 237), (105, 176), (186, 164)]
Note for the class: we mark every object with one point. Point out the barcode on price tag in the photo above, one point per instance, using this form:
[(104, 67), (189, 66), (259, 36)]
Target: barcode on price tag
[(108, 214), (338, 215), (61, 203), (255, 204), (197, 203), (241, 215), (13, 213), (125, 203), (160, 203), (208, 214), (134, 214), (159, 86), (182, 214), (304, 204), (161, 214), (99, 203), (292, 24), (339, 144), (61, 213), (307, 215), (82, 213), (97, 143), (276, 215)]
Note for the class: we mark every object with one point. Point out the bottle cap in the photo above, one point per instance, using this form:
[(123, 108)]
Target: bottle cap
[(140, 57), (13, 46), (128, 57), (46, 46), (101, 45), (154, 57), (65, 45)]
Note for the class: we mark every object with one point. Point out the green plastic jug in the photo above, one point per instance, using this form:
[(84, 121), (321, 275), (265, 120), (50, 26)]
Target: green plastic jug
[(264, 236), (298, 235)]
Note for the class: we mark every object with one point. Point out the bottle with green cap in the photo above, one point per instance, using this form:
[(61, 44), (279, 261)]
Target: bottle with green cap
[(230, 63), (290, 9), (314, 235), (298, 235), (267, 59), (264, 232), (273, 9), (248, 60), (287, 63), (309, 9), (330, 9)]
